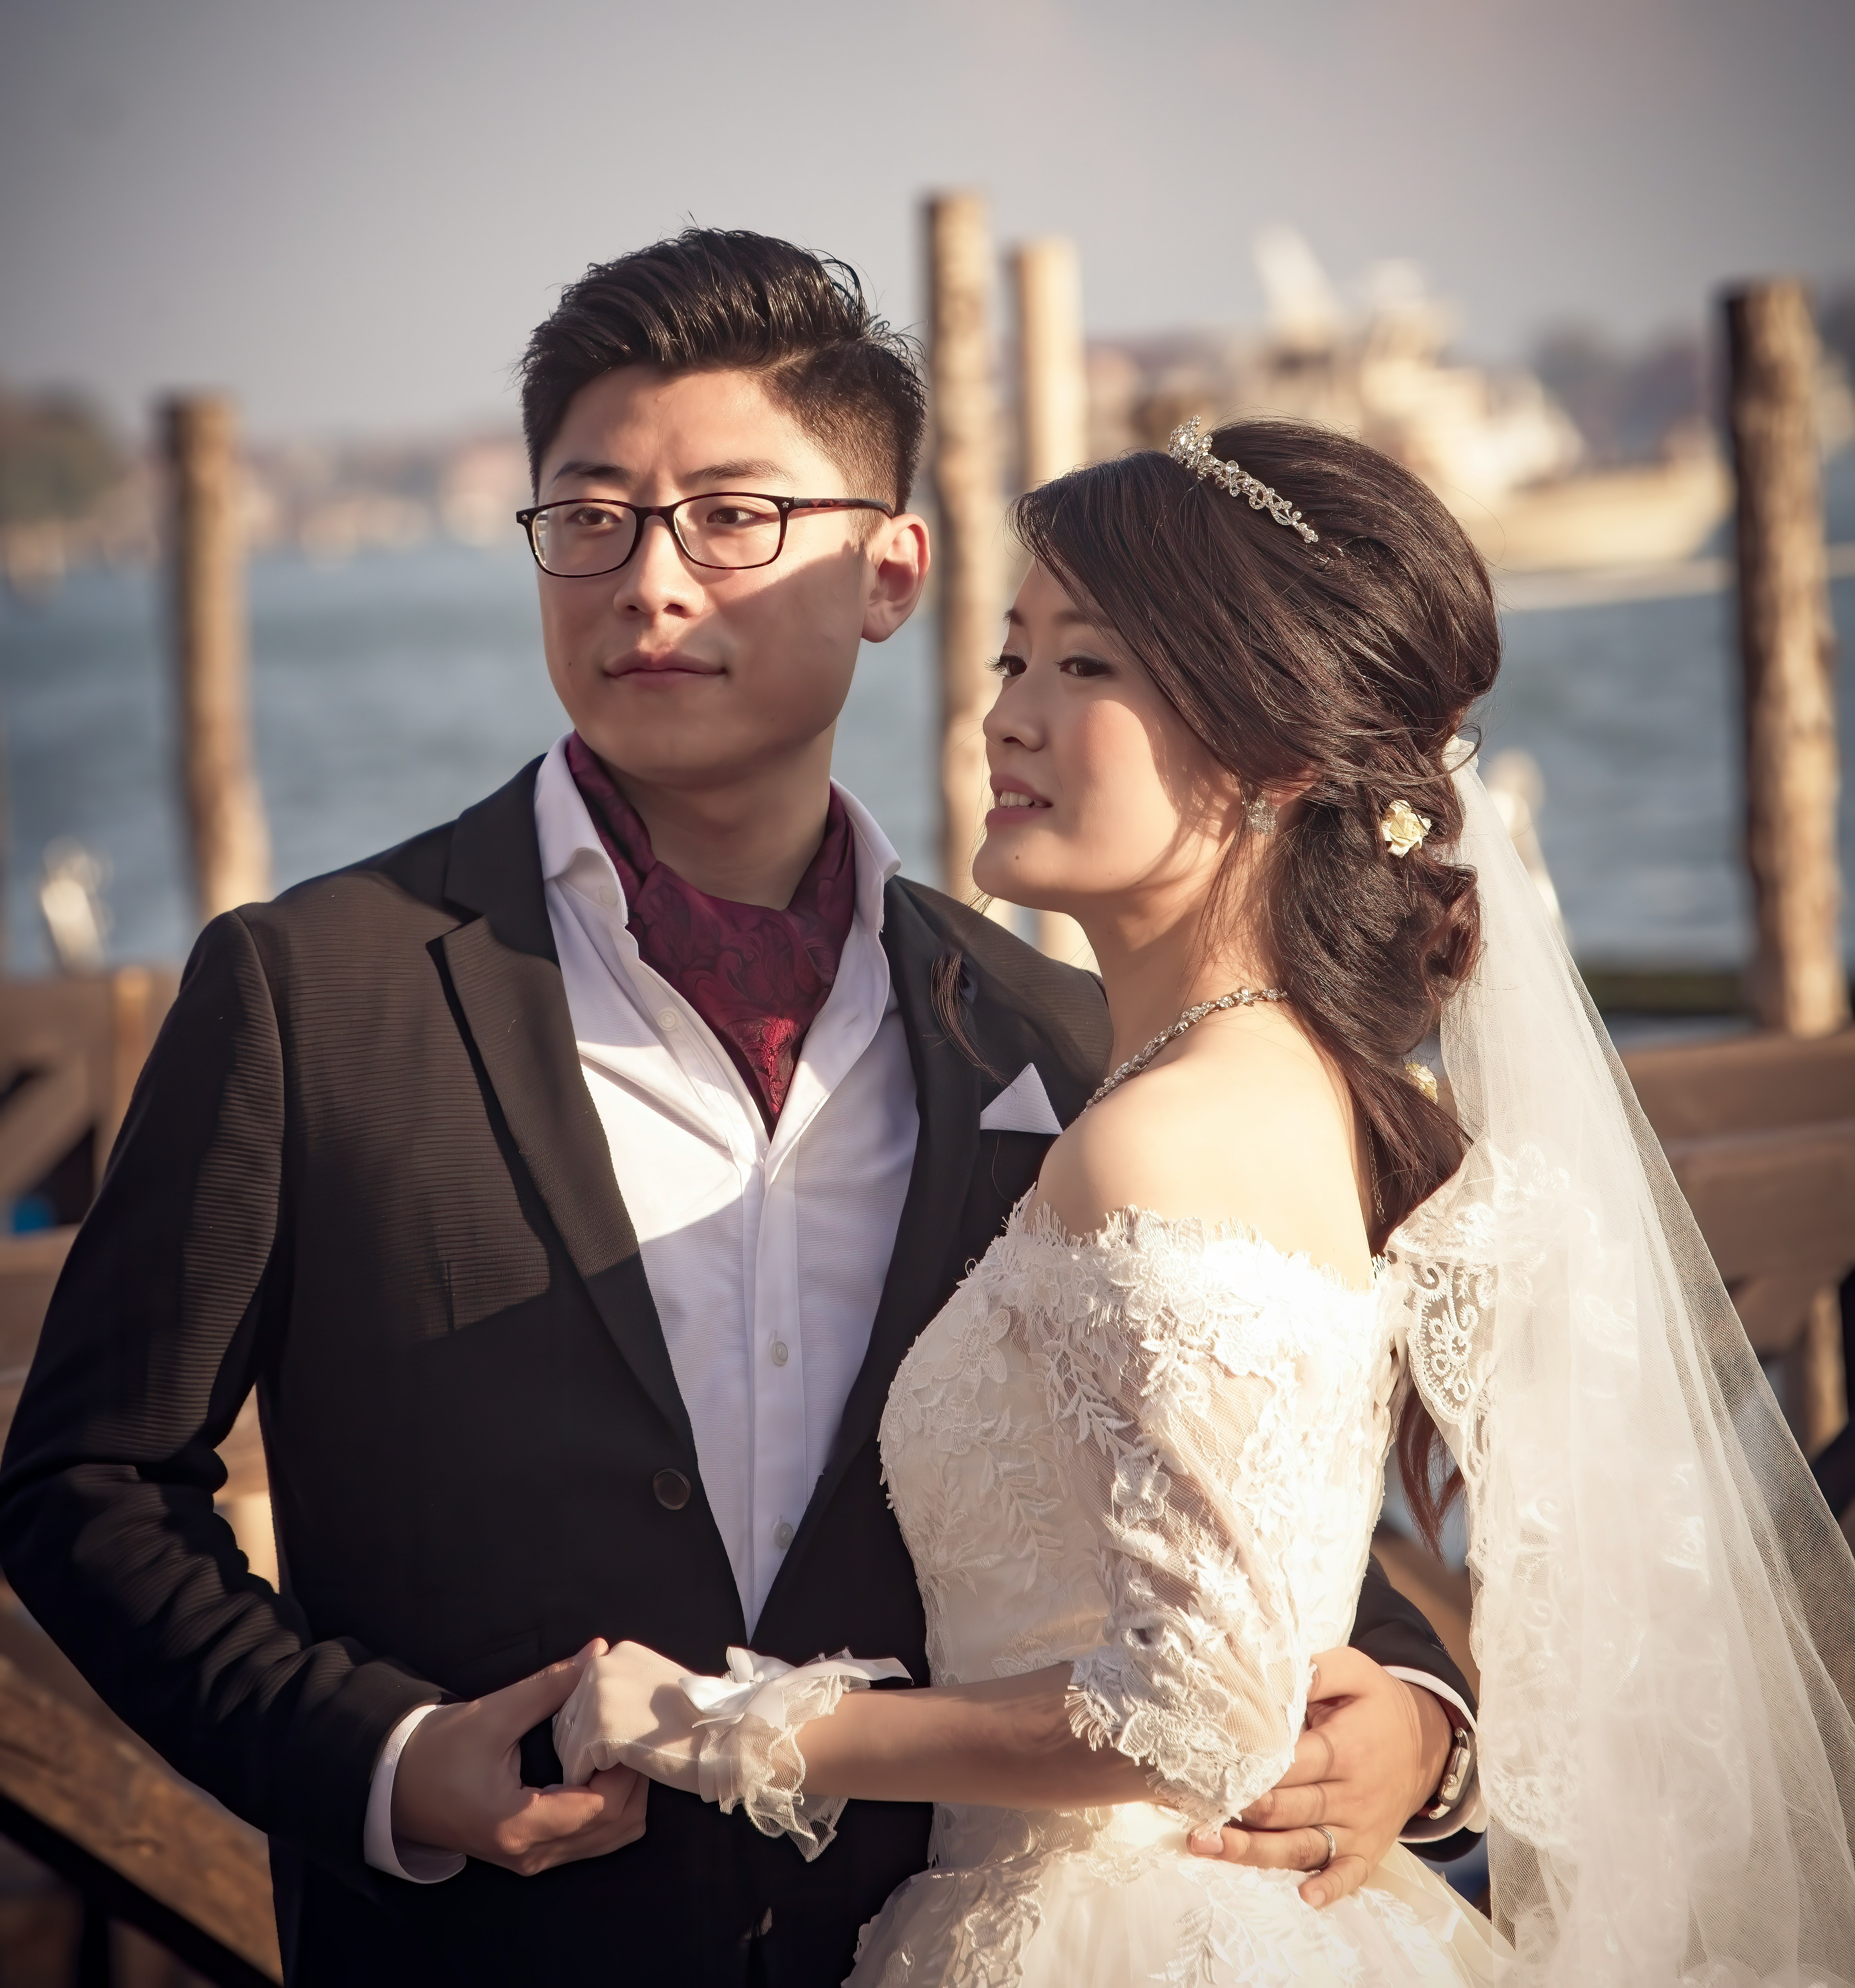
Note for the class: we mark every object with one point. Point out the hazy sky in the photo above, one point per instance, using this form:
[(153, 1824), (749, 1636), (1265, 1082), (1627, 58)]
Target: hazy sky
[(353, 213)]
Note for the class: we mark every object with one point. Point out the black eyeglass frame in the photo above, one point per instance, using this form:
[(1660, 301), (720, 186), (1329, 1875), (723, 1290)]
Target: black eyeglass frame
[(645, 512)]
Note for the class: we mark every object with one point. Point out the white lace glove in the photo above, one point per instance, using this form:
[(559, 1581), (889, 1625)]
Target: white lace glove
[(732, 1739)]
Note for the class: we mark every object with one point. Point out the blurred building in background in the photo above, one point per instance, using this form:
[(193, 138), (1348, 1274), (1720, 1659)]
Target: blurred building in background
[(73, 493), (1588, 454)]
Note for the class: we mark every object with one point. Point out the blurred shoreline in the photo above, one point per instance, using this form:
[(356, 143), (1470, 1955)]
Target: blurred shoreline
[(1586, 455), (392, 689)]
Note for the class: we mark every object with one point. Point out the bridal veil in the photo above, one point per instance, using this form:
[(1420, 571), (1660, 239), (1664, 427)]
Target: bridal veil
[(1665, 1608)]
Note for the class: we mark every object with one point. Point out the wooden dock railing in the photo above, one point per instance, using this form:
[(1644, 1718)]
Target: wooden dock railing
[(79, 1791), (1760, 1129)]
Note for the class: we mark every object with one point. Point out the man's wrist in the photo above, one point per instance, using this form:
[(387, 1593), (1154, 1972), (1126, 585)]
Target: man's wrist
[(418, 1863), (1436, 1742), (1458, 1773)]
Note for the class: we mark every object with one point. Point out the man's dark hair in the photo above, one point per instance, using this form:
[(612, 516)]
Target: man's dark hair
[(715, 298)]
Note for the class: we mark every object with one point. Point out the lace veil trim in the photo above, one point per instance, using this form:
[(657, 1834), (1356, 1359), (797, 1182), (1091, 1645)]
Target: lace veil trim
[(1664, 1612)]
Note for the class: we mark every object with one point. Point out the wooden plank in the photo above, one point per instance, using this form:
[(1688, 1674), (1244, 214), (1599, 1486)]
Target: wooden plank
[(30, 1267), (116, 1802), (110, 1924), (40, 1020), (41, 1121), (1772, 1307), (107, 1021), (1777, 1211), (1745, 1084), (139, 997), (1770, 1201), (1817, 1385)]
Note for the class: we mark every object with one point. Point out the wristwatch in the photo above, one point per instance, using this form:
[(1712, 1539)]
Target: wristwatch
[(1457, 1773)]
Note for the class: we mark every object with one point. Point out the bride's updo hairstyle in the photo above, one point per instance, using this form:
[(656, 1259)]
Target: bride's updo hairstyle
[(1350, 663)]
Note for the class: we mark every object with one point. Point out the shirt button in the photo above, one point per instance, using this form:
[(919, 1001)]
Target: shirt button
[(669, 1020), (672, 1489), (781, 1356), (609, 895), (782, 1535)]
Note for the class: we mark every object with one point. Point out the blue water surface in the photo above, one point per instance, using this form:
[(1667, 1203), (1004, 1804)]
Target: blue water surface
[(396, 689)]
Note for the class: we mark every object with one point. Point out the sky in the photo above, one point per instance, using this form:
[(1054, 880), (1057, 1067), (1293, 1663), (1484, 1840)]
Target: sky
[(350, 212)]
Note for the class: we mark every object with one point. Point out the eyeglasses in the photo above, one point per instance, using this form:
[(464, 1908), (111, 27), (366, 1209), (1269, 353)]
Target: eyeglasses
[(580, 538)]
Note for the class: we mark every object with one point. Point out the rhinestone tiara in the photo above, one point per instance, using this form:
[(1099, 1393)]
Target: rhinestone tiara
[(1193, 450)]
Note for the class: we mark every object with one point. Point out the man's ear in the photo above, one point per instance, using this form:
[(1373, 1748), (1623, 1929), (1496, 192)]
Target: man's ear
[(899, 556)]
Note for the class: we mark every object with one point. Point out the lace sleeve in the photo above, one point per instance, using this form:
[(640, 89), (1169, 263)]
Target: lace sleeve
[(1200, 1419)]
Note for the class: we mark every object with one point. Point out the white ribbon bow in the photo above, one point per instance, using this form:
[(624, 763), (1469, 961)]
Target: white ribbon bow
[(761, 1685)]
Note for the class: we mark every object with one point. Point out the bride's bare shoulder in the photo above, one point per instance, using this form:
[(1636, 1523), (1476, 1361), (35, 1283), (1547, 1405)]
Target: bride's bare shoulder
[(1245, 1125)]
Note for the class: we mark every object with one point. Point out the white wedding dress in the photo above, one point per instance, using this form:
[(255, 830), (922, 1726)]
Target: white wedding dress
[(1156, 1453)]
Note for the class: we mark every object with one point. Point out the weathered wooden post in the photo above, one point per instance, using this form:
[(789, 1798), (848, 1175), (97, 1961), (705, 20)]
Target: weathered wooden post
[(1799, 982), (1053, 364), (224, 812), (1786, 641), (968, 492), (1053, 427)]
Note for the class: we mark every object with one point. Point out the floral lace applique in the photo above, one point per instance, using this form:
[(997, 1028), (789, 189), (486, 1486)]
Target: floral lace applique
[(1154, 1454)]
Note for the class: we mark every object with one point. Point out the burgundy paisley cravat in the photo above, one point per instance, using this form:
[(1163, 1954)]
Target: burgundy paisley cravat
[(757, 976)]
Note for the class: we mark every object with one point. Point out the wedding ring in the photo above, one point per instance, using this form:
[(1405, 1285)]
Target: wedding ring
[(1333, 1847)]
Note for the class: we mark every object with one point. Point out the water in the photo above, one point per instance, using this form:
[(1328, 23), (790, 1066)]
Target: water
[(1633, 712), (388, 694), (392, 692)]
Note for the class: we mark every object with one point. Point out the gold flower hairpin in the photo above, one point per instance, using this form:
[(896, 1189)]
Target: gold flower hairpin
[(1402, 828), (1423, 1077)]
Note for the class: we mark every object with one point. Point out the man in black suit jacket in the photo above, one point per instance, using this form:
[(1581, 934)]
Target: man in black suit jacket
[(364, 1173)]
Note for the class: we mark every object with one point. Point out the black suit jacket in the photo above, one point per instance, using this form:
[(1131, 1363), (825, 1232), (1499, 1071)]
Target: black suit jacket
[(362, 1173)]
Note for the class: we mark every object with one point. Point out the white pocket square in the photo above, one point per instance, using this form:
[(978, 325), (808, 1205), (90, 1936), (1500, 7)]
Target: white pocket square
[(1022, 1106)]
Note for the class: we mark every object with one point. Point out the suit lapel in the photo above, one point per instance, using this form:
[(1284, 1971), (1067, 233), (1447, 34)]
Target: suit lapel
[(946, 1095), (1061, 1025), (502, 969)]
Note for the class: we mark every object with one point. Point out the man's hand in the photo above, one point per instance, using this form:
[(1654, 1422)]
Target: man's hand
[(458, 1784), (1370, 1756)]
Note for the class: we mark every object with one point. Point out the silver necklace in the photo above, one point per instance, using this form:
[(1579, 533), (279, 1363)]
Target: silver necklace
[(1238, 997)]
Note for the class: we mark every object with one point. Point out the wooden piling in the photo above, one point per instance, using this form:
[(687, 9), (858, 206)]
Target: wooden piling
[(968, 491), (1053, 432), (1052, 367), (1817, 1382), (1799, 982), (224, 813)]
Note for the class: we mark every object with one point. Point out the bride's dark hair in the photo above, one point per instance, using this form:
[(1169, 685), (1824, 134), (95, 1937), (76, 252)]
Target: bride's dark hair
[(1350, 664)]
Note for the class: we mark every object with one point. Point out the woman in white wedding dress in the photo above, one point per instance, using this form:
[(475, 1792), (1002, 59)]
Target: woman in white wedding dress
[(1138, 1458)]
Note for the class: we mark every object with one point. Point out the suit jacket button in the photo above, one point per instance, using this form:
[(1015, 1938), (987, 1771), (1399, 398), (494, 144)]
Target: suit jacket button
[(672, 1489)]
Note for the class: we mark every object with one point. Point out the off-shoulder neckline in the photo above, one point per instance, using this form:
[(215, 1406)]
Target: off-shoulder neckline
[(1120, 1228)]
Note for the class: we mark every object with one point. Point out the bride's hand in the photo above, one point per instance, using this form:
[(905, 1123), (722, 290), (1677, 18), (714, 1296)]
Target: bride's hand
[(1372, 1750), (629, 1710)]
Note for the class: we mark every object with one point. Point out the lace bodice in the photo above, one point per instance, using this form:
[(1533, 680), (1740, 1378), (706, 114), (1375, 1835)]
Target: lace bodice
[(1155, 1453)]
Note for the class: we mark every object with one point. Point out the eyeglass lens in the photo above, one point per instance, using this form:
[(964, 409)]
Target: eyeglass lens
[(575, 540)]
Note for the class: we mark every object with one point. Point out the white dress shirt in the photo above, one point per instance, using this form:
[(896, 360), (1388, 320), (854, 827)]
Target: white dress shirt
[(766, 1256)]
